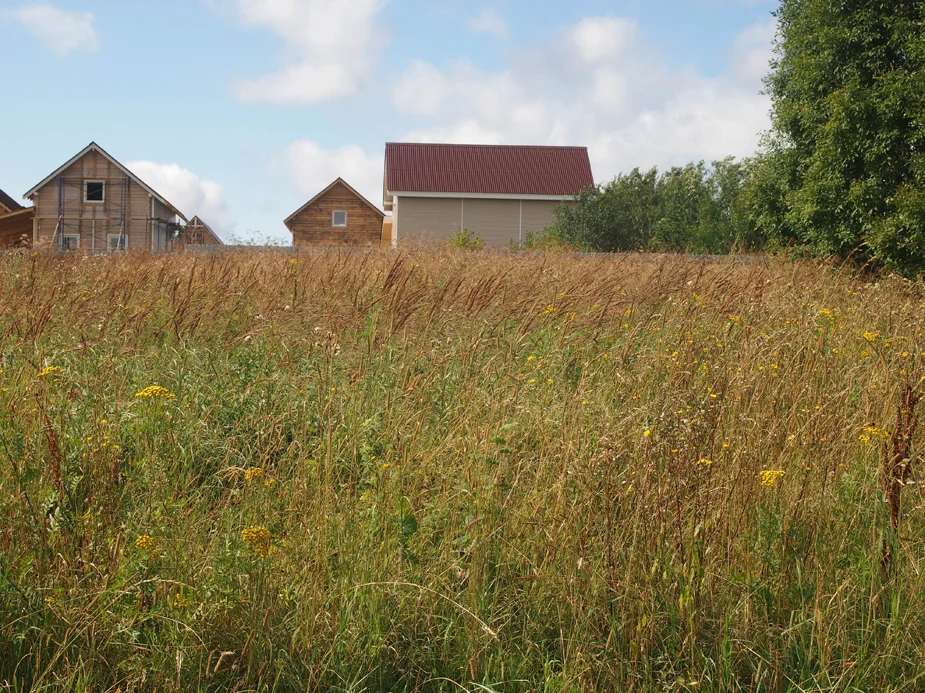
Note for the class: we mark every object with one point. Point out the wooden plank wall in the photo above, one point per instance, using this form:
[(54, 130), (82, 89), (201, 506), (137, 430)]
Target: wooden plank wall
[(312, 226), (94, 221), (16, 229)]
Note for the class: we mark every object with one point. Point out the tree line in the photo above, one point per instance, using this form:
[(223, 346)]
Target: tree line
[(841, 172)]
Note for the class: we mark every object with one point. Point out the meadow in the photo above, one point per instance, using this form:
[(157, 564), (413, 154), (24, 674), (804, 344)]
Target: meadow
[(458, 471)]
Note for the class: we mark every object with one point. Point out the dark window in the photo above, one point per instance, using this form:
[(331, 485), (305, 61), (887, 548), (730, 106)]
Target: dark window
[(95, 191), (339, 219)]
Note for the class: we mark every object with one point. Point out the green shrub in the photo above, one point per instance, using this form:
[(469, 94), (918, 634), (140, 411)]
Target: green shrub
[(464, 239)]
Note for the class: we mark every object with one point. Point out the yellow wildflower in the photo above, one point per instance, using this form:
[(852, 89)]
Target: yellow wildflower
[(871, 336), (258, 538), (647, 432), (156, 392), (149, 545), (51, 372), (769, 477), (704, 461), (253, 474), (873, 432)]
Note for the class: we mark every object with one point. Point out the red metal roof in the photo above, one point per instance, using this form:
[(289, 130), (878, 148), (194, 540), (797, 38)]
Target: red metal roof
[(487, 169)]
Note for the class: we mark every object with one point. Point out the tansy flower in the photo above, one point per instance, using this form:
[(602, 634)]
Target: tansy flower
[(705, 461), (148, 544), (769, 477), (253, 474), (156, 392), (647, 432), (51, 372), (870, 336), (258, 538)]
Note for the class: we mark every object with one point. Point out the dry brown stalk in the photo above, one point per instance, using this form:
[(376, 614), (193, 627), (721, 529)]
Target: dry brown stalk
[(897, 462), (54, 451)]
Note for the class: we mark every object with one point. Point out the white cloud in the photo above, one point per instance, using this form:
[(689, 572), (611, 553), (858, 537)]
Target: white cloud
[(313, 168), (188, 192), (329, 48), (753, 50), (61, 31), (604, 86), (603, 38), (488, 22)]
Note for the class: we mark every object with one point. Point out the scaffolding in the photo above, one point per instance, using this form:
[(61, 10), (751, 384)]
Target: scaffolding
[(72, 218)]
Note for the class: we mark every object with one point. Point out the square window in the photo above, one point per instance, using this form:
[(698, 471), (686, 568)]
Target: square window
[(70, 241), (94, 191), (339, 218), (116, 242)]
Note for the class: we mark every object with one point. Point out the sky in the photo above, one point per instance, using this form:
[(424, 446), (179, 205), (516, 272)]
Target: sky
[(239, 111)]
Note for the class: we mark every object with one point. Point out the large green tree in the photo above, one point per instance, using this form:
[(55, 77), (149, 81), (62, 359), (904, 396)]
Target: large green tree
[(845, 172)]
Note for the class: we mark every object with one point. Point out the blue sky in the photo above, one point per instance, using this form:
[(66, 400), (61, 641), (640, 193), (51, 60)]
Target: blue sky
[(240, 110)]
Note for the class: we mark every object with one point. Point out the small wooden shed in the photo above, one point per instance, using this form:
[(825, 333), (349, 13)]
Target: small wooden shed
[(337, 216), (198, 232)]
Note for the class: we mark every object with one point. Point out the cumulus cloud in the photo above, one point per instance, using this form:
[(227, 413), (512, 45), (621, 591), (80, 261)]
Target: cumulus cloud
[(61, 31), (188, 192), (313, 168), (488, 22), (329, 48), (601, 85), (752, 51)]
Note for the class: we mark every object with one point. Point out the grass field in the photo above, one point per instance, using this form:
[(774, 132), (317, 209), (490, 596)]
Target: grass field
[(454, 471)]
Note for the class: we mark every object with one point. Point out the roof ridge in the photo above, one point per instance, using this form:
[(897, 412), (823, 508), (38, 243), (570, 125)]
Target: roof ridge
[(488, 146)]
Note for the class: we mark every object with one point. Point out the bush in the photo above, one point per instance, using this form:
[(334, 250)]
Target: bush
[(464, 239)]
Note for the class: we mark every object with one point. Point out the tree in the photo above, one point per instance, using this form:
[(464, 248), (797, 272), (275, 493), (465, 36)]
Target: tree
[(845, 171)]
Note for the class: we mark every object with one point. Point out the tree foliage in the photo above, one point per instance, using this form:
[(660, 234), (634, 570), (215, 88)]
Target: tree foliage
[(845, 170), (691, 208)]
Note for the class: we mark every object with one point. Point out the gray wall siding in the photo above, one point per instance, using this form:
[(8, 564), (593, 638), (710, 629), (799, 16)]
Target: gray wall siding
[(538, 215), (428, 218), (437, 219), (495, 221)]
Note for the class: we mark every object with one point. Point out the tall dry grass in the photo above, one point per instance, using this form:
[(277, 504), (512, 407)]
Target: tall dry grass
[(435, 471)]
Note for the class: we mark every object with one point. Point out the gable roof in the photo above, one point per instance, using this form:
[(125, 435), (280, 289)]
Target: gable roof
[(199, 223), (94, 147), (340, 181), (486, 169), (9, 202)]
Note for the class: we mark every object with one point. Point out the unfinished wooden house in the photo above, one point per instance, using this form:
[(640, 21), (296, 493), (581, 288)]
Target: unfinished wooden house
[(94, 204), (15, 223), (338, 215), (8, 205), (198, 232)]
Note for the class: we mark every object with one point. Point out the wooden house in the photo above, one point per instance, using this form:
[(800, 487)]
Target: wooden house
[(94, 204), (8, 205), (499, 193), (198, 232), (15, 223), (338, 215)]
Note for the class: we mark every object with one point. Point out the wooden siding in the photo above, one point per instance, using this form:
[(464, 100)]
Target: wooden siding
[(313, 225), (124, 200), (386, 241), (16, 229)]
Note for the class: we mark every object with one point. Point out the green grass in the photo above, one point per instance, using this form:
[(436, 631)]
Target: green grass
[(478, 472)]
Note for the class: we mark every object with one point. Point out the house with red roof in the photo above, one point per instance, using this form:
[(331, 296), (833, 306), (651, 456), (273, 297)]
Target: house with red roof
[(497, 192)]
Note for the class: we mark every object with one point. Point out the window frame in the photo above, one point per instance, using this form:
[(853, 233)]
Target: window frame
[(62, 240), (119, 237), (86, 198), (334, 214)]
